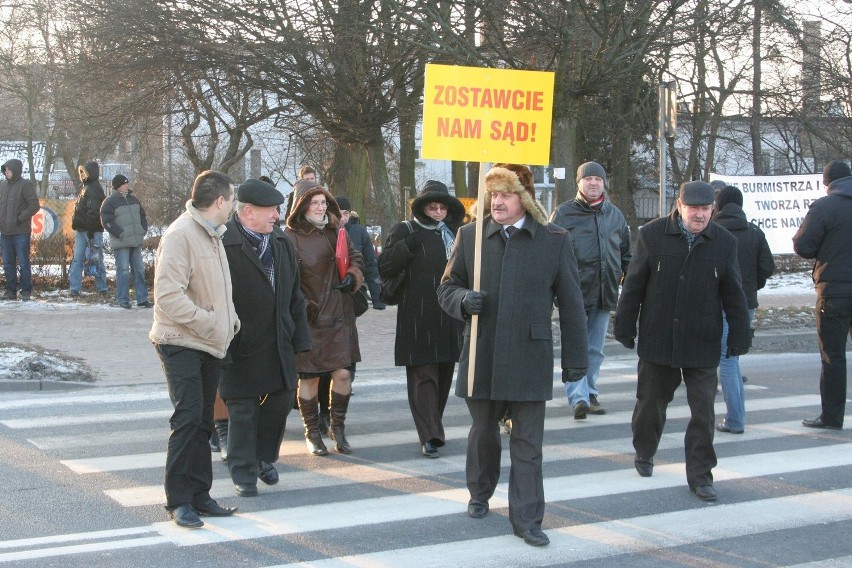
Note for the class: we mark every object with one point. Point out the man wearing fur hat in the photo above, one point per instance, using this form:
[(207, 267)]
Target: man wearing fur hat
[(683, 276), (526, 264), (824, 236), (602, 248)]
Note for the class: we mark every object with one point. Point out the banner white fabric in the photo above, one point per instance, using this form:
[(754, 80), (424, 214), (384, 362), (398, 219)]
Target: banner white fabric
[(777, 204)]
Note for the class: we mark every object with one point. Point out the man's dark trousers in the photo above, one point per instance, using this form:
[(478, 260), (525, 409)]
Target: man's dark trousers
[(526, 485), (834, 324), (654, 392), (255, 429), (192, 377)]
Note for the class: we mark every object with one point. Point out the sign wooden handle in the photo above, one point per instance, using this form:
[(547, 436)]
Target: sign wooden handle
[(477, 277)]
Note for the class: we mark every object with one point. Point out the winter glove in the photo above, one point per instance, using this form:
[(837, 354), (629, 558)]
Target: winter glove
[(626, 341), (473, 302), (347, 284), (573, 375), (735, 351), (414, 240)]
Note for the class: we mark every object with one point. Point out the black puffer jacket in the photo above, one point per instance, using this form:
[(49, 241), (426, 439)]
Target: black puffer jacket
[(87, 208), (753, 254)]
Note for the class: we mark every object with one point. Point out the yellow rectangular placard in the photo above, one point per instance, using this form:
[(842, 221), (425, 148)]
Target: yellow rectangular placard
[(477, 114)]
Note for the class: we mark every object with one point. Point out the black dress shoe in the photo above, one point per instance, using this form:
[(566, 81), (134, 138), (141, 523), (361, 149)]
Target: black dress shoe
[(429, 451), (644, 467), (211, 508), (533, 537), (818, 423), (185, 516), (267, 473), (245, 489), (723, 427), (476, 509), (705, 492)]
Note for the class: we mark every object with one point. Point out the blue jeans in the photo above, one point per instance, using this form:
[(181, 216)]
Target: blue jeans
[(76, 275), (596, 324), (731, 380), (127, 259), (16, 252)]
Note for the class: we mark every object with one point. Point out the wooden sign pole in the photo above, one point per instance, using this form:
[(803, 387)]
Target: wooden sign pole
[(477, 276)]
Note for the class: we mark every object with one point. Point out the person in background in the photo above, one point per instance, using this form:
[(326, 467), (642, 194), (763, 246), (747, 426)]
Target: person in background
[(601, 238), (124, 219), (826, 236), (87, 224), (361, 240), (18, 204), (428, 340), (756, 266)]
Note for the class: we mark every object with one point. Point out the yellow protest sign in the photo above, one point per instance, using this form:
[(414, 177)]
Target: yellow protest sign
[(477, 114)]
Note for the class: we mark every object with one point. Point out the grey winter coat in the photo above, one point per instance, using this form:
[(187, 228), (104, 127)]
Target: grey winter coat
[(124, 218), (521, 278), (18, 201)]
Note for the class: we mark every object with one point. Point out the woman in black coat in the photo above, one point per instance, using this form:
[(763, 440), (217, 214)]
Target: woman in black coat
[(428, 340)]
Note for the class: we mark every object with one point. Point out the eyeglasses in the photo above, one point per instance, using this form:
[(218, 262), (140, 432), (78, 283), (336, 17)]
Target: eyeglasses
[(436, 207), (319, 204)]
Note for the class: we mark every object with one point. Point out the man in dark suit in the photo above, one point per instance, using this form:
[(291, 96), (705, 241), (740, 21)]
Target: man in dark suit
[(259, 386), (526, 264), (684, 273)]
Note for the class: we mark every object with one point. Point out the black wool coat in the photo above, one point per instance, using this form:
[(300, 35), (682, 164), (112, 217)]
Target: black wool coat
[(678, 295), (521, 278), (425, 333), (274, 322), (753, 254)]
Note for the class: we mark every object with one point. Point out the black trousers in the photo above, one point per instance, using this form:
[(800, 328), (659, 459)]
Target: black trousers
[(834, 325), (526, 484), (192, 377), (255, 430), (428, 390), (654, 391)]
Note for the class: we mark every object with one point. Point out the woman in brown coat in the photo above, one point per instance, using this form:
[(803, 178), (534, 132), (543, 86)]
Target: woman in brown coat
[(313, 225)]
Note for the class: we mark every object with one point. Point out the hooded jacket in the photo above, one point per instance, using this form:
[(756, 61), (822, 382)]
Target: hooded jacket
[(124, 218), (18, 201), (826, 236), (87, 208), (753, 254)]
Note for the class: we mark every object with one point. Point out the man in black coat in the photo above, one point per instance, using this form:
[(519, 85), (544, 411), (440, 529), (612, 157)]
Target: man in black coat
[(527, 263), (259, 385), (825, 236), (684, 273)]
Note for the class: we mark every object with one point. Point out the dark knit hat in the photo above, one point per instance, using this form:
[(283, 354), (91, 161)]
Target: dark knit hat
[(343, 203), (729, 194), (591, 169), (259, 193), (696, 193), (835, 170), (119, 180)]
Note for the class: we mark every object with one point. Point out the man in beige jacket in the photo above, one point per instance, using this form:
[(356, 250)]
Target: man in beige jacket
[(194, 322)]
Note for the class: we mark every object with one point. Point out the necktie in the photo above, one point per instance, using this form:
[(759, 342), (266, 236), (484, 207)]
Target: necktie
[(510, 230)]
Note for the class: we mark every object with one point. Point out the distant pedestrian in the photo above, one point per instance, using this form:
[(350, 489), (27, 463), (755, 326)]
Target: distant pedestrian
[(826, 236), (89, 230), (18, 204), (362, 241)]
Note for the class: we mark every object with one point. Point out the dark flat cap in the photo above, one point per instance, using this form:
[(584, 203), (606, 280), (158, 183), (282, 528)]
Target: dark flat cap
[(696, 193), (343, 203), (259, 193)]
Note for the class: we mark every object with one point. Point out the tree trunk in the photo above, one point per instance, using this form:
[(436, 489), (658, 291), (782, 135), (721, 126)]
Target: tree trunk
[(349, 175), (754, 127), (459, 174), (390, 203), (563, 153)]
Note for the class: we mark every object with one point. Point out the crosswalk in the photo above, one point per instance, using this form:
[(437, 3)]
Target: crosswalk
[(785, 492)]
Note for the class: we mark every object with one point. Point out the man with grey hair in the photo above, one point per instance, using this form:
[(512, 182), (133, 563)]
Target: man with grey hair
[(601, 239)]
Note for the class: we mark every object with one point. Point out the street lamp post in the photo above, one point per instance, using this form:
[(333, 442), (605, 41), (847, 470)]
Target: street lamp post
[(666, 129)]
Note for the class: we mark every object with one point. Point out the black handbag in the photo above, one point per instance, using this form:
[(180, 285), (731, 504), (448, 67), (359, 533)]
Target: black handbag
[(359, 301), (391, 292)]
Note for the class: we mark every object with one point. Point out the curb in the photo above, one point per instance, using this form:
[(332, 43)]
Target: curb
[(37, 386)]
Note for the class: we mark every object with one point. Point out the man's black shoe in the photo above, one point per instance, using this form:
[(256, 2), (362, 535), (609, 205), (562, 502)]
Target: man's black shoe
[(267, 473), (185, 516), (818, 423), (533, 537), (245, 489), (476, 509), (429, 451), (705, 492), (211, 508), (644, 467)]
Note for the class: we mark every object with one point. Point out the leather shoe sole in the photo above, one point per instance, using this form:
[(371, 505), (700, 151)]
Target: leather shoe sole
[(818, 423), (644, 468), (213, 509), (723, 427), (705, 492), (477, 510), (533, 537), (185, 516), (267, 473), (245, 490), (429, 451)]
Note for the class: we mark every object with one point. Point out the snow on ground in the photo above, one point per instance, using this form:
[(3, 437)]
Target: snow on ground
[(794, 283)]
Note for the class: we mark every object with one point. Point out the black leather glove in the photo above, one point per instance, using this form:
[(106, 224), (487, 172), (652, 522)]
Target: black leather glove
[(347, 284), (573, 375), (735, 351), (626, 341), (414, 240), (473, 302)]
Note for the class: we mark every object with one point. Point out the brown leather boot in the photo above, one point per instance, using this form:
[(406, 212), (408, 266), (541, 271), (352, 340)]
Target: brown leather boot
[(337, 409), (309, 410)]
